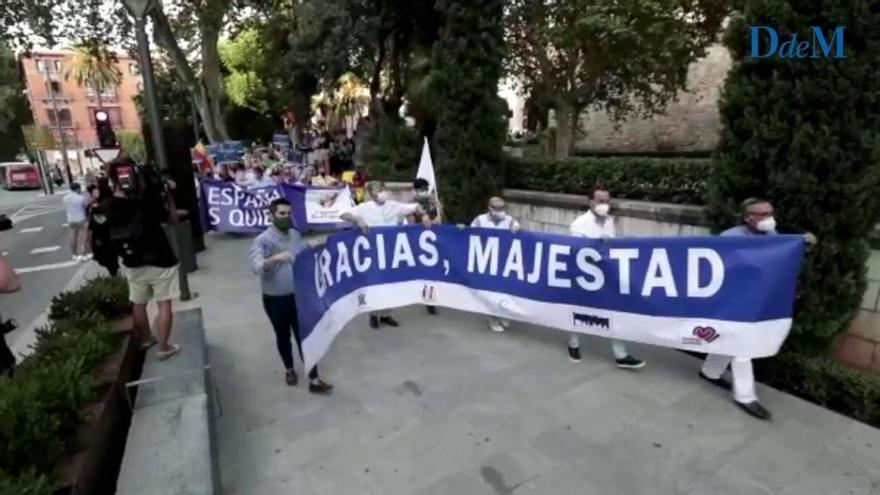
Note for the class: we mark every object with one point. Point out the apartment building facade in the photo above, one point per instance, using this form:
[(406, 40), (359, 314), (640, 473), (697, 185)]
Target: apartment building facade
[(58, 101)]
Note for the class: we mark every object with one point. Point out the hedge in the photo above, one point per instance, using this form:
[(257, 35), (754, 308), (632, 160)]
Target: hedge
[(105, 295), (42, 406), (823, 381), (667, 180)]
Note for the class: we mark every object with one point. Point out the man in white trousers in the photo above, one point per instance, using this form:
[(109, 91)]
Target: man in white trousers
[(757, 215), (596, 223), (497, 218), (382, 211)]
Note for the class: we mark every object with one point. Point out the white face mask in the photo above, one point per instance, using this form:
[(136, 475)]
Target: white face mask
[(422, 193), (601, 209), (498, 215), (382, 196), (766, 225)]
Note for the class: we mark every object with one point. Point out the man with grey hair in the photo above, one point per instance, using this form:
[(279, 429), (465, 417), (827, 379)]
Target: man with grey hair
[(382, 211), (497, 218), (757, 220)]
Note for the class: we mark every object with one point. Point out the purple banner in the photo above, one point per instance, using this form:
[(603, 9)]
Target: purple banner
[(228, 207)]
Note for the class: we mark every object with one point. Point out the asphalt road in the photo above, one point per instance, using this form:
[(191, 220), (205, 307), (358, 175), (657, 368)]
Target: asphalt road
[(37, 249)]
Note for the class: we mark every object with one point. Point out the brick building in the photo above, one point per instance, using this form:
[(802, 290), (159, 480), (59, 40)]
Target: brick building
[(43, 72)]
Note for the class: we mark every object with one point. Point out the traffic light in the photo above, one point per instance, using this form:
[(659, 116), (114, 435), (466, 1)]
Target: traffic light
[(106, 136)]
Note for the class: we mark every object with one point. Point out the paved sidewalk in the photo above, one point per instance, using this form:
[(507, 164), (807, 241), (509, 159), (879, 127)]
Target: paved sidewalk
[(442, 405)]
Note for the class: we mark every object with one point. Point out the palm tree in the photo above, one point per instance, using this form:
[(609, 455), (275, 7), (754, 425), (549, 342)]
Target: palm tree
[(93, 65)]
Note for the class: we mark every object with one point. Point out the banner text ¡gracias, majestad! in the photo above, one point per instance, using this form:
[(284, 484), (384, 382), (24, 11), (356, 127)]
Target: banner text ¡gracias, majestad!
[(484, 257)]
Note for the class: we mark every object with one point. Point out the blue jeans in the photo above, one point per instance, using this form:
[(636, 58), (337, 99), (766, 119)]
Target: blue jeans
[(281, 311)]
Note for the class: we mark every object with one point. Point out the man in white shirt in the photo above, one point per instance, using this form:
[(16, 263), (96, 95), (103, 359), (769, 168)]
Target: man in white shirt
[(75, 203), (596, 223), (496, 218), (381, 211), (260, 179)]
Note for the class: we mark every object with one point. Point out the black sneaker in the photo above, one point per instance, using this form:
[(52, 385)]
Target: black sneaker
[(387, 320), (432, 310), (718, 382), (320, 388), (374, 322), (290, 378), (630, 363), (755, 409), (574, 354)]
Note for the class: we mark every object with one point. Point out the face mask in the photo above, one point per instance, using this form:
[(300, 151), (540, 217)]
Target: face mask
[(498, 214), (767, 225), (282, 224), (422, 193), (381, 196), (601, 209)]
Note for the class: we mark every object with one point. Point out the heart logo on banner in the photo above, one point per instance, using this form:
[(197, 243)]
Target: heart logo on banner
[(707, 334)]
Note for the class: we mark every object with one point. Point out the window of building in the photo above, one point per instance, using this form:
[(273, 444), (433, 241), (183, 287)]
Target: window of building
[(41, 65), (108, 92), (53, 88), (140, 87), (58, 66), (63, 115), (133, 68)]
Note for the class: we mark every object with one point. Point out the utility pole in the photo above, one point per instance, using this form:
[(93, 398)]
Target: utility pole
[(58, 128)]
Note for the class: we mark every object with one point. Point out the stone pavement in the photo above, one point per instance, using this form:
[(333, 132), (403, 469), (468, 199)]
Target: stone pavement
[(442, 405)]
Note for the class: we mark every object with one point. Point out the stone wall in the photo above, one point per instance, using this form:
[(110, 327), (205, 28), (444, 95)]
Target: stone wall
[(691, 123), (550, 212)]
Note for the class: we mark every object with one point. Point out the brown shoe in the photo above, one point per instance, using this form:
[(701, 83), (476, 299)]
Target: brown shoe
[(290, 377), (320, 388)]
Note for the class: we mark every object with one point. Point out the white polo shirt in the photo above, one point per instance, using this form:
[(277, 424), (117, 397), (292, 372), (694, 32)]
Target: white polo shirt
[(588, 225), (486, 221), (388, 214)]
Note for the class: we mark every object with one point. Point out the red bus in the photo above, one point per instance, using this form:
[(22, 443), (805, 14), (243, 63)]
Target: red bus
[(19, 175)]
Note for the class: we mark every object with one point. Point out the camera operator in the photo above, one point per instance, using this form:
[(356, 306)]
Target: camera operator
[(140, 204)]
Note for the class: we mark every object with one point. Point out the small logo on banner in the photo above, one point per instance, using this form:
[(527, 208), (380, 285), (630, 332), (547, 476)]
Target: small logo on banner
[(701, 335), (588, 320), (362, 300), (429, 293)]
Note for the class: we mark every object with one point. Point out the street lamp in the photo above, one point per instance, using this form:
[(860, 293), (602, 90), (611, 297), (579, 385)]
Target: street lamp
[(139, 10)]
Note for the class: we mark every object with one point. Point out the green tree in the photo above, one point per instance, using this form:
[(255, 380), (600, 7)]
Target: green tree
[(133, 144), (471, 126), (245, 59), (805, 134), (14, 111), (93, 65), (624, 57)]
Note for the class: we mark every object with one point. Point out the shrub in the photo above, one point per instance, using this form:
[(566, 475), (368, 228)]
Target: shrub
[(805, 134), (104, 295), (821, 380), (673, 180), (40, 408), (28, 483)]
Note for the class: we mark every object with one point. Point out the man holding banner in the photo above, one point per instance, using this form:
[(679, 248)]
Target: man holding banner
[(757, 221), (598, 224), (272, 255), (381, 211), (496, 218)]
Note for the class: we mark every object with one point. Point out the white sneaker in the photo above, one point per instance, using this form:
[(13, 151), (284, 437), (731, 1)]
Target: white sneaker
[(505, 323), (87, 257), (496, 326), (77, 257)]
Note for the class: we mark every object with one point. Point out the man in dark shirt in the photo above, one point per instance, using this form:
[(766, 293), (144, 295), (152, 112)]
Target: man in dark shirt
[(135, 214)]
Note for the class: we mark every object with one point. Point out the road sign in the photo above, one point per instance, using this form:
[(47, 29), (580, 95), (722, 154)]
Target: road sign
[(38, 138)]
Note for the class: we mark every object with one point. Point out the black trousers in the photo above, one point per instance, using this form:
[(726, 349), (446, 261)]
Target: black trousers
[(281, 311)]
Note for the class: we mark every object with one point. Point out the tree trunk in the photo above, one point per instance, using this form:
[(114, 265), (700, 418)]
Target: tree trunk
[(164, 37), (376, 80), (211, 76), (566, 128)]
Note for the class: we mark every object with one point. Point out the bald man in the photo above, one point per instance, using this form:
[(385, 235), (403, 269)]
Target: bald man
[(497, 218)]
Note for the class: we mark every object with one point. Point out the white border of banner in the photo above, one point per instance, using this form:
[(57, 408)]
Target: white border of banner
[(740, 339)]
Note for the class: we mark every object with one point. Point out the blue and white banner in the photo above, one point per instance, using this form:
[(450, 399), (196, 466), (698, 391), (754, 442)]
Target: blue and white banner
[(228, 207), (725, 295)]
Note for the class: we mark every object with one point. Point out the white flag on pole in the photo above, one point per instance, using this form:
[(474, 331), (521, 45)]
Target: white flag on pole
[(426, 168)]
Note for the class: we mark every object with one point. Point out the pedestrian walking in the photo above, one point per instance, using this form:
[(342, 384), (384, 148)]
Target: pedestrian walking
[(496, 218), (757, 220), (382, 211), (75, 204), (597, 223), (272, 255)]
